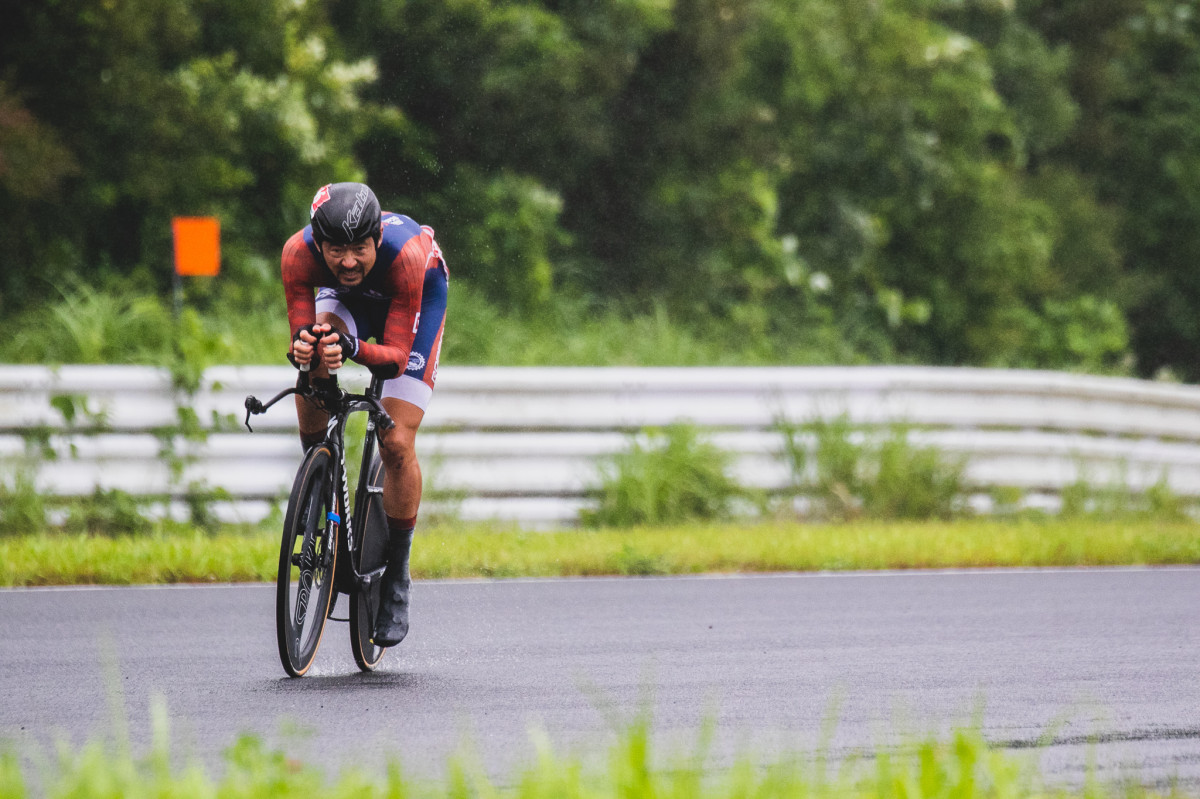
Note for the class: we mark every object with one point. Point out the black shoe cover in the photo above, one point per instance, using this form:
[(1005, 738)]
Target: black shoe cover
[(391, 624)]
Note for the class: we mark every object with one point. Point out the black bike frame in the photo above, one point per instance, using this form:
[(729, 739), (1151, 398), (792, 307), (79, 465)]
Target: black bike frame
[(339, 404)]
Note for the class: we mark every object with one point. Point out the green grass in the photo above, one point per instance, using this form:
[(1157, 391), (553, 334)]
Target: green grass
[(466, 551), (960, 766), (240, 318), (674, 477)]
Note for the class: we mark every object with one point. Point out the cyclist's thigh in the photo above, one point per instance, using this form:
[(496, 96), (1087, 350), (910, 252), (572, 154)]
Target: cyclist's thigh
[(415, 386)]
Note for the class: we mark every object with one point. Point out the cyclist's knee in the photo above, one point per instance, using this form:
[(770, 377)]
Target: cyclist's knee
[(398, 447)]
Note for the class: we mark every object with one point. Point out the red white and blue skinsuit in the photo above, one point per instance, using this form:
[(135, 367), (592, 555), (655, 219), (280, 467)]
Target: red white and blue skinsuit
[(401, 302)]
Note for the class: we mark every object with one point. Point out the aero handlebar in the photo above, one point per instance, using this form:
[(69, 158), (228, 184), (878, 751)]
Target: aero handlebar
[(327, 395)]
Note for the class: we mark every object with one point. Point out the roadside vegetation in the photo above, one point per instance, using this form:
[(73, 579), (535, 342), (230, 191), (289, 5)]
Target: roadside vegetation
[(182, 554), (859, 498), (791, 181), (962, 765), (230, 319)]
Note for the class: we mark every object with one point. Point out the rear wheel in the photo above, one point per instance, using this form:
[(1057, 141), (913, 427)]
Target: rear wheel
[(307, 556), (371, 555)]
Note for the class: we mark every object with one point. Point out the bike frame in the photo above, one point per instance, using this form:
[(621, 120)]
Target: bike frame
[(339, 404)]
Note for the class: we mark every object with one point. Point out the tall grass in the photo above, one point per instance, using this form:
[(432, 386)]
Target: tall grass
[(672, 476), (91, 324), (849, 471), (240, 318), (22, 506), (960, 766)]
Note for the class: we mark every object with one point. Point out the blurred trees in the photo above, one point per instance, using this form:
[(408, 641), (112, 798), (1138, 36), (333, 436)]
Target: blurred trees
[(995, 182), (151, 108)]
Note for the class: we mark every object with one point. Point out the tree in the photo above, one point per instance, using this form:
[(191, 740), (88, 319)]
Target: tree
[(151, 109)]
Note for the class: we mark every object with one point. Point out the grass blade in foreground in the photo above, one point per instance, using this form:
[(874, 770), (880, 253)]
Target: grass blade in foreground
[(962, 766)]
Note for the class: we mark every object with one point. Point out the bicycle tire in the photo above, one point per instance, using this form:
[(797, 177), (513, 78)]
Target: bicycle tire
[(307, 558), (370, 554)]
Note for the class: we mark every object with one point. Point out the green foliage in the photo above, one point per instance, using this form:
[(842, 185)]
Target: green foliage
[(632, 562), (914, 482), (22, 506), (176, 552), (672, 477), (1082, 333), (851, 471), (507, 236), (991, 183), (108, 512), (1134, 73), (958, 765), (165, 108), (111, 325), (577, 332), (1115, 499), (86, 325), (1007, 500)]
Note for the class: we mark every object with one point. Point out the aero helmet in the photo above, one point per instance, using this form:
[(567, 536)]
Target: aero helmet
[(343, 213)]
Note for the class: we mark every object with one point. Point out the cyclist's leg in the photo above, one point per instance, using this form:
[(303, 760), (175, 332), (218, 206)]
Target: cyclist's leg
[(402, 471), (401, 501), (405, 399), (330, 311), (407, 396)]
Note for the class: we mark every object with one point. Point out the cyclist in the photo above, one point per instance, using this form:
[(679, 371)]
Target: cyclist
[(375, 275)]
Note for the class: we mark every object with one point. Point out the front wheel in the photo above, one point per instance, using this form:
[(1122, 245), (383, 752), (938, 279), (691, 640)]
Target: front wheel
[(307, 556), (370, 555)]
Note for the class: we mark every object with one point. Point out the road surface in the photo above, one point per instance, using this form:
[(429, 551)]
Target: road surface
[(1059, 664)]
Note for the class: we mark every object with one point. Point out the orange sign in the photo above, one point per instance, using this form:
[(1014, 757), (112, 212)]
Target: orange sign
[(197, 245)]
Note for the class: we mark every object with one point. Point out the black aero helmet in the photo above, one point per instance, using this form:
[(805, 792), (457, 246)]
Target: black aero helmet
[(343, 213)]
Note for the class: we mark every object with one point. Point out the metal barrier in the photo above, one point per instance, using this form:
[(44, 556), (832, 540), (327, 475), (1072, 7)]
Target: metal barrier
[(523, 444)]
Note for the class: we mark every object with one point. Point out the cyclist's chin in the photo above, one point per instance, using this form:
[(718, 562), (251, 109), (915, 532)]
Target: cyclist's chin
[(351, 278)]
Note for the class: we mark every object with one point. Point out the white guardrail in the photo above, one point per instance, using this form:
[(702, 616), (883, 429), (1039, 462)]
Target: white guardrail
[(523, 444)]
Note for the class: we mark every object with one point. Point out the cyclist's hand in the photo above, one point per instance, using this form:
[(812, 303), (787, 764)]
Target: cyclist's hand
[(302, 345), (337, 348)]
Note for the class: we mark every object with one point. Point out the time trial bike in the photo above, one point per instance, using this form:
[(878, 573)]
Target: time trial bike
[(326, 548)]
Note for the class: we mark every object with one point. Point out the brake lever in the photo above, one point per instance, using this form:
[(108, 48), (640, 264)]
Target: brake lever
[(253, 406), (385, 421)]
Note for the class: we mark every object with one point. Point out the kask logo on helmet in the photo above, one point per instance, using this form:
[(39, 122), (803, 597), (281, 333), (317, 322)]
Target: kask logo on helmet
[(354, 215), (319, 199)]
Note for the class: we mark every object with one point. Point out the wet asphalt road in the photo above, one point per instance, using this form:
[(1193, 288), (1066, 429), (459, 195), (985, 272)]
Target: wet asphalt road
[(1060, 665)]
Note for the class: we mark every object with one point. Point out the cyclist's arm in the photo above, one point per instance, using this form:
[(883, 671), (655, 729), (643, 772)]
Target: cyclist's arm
[(418, 277), (300, 277)]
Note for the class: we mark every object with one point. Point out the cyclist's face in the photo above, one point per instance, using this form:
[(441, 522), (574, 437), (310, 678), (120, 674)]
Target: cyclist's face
[(350, 263)]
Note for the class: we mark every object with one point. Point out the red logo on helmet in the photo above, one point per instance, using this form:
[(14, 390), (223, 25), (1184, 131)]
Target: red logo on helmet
[(321, 197)]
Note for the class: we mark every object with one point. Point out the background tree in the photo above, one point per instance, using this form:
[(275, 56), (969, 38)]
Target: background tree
[(996, 182)]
